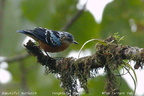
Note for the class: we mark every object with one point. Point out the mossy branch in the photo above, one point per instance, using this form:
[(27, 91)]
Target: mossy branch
[(109, 56)]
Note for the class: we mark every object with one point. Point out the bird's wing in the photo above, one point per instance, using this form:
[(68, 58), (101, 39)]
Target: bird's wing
[(50, 37)]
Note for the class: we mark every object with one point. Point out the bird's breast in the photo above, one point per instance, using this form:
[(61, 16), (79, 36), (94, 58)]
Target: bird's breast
[(49, 48)]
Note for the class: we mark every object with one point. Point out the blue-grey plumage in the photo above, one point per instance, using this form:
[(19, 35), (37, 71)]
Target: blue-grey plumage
[(49, 40), (35, 34), (46, 35), (54, 38)]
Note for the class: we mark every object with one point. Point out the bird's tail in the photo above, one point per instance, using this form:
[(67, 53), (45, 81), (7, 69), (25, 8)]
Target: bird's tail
[(35, 34), (24, 31)]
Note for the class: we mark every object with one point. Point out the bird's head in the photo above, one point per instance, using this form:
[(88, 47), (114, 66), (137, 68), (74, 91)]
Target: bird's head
[(68, 38)]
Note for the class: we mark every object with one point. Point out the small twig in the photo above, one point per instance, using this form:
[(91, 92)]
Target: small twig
[(73, 19), (16, 58)]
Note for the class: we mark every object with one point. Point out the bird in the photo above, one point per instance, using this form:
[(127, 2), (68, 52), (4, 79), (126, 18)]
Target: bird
[(50, 40)]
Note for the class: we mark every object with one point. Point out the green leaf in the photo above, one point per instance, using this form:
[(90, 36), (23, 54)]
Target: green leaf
[(121, 16), (52, 14)]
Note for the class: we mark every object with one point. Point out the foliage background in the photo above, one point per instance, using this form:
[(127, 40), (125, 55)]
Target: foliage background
[(123, 16)]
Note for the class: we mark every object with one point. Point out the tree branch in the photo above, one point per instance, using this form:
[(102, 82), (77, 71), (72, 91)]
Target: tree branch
[(16, 58), (111, 51), (73, 19), (109, 55)]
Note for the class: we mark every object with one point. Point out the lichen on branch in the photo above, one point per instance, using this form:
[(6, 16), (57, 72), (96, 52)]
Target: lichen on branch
[(110, 56)]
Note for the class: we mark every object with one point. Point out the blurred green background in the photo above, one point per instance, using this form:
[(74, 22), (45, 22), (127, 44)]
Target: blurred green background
[(123, 16)]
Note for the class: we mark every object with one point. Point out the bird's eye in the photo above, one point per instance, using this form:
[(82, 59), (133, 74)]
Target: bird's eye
[(70, 36)]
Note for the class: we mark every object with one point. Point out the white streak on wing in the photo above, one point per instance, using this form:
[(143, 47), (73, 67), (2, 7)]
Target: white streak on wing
[(51, 39), (46, 35)]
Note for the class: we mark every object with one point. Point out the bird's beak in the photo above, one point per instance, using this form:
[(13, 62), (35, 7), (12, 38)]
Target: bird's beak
[(75, 42)]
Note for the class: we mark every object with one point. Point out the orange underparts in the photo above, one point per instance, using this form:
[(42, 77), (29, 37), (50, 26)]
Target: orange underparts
[(49, 48)]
